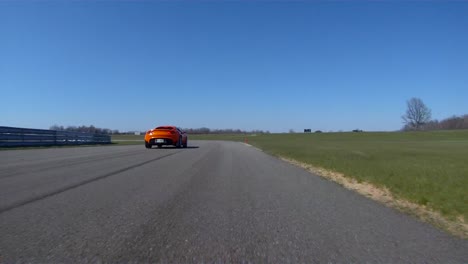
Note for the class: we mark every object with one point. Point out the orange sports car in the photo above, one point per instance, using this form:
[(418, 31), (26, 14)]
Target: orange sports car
[(166, 135)]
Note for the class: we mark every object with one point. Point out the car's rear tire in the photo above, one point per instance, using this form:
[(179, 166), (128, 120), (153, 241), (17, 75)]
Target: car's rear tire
[(147, 145), (179, 143), (186, 143)]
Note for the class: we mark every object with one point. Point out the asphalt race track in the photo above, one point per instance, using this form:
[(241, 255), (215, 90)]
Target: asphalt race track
[(212, 202)]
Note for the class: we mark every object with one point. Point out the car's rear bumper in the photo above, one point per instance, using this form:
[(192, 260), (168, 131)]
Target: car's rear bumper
[(161, 141)]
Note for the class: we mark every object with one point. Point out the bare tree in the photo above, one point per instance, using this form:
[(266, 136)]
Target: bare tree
[(417, 114)]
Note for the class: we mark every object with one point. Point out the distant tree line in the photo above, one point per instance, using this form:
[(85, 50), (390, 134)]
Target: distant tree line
[(85, 129), (418, 117), (205, 130), (454, 122), (202, 130)]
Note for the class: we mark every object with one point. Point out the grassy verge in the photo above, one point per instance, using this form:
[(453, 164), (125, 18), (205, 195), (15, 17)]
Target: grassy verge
[(426, 168), (122, 138), (127, 139), (233, 137)]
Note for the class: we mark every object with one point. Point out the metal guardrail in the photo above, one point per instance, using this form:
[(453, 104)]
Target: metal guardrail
[(17, 137)]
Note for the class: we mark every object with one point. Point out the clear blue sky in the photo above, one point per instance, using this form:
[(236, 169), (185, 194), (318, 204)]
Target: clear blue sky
[(250, 65)]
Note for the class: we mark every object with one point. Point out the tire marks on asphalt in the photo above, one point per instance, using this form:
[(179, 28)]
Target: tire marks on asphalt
[(76, 185), (65, 163)]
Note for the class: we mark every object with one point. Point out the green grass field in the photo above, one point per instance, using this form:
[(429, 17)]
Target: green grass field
[(429, 168)]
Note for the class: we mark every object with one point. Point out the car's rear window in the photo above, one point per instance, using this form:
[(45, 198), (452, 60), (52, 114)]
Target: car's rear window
[(164, 128)]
